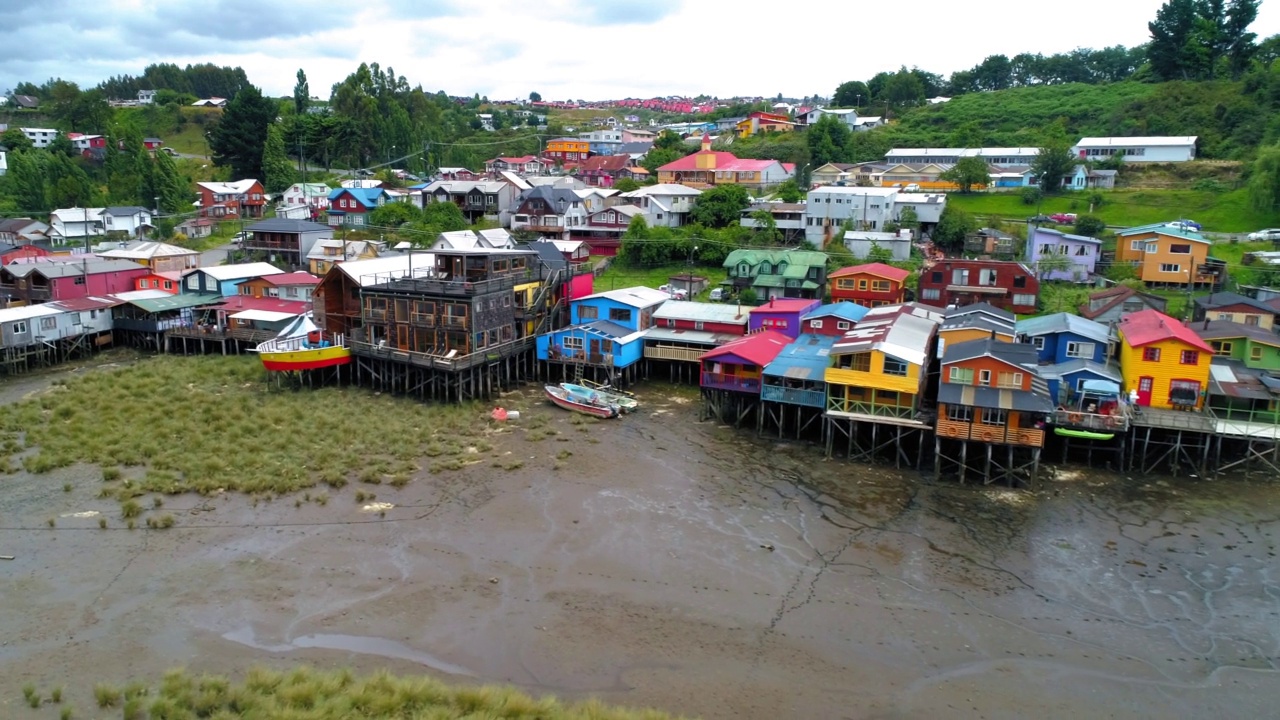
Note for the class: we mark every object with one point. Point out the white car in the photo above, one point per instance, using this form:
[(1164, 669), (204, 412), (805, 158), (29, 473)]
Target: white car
[(1268, 234), (675, 293)]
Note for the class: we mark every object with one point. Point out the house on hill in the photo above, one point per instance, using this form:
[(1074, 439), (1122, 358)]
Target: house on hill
[(1108, 306), (869, 285), (778, 273), (708, 168)]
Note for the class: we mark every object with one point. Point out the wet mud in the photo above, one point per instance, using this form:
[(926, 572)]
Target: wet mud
[(659, 561)]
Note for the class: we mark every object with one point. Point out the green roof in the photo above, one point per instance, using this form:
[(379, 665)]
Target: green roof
[(809, 285), (795, 272), (803, 258), (1163, 229), (174, 302), (768, 281)]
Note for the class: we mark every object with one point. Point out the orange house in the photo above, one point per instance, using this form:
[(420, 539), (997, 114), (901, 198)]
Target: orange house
[(758, 122), (166, 281), (1164, 254), (566, 149), (869, 285), (990, 392)]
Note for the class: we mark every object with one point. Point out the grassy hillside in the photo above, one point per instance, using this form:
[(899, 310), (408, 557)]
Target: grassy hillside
[(1227, 212)]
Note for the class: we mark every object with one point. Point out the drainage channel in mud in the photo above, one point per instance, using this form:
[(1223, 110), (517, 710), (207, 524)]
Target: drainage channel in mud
[(380, 647)]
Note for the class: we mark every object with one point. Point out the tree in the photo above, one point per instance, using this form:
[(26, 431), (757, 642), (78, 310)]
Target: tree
[(879, 254), (626, 184), (721, 206), (1170, 52), (535, 97), (1239, 45), (904, 89), (15, 140), (61, 144), (968, 172), (277, 171), (301, 93), (953, 227), (395, 214), (1264, 180), (908, 219), (765, 230), (1031, 195), (1052, 164), (1090, 226), (25, 182), (852, 93), (174, 193), (1052, 262), (827, 140), (238, 138), (1198, 39), (788, 192), (443, 217)]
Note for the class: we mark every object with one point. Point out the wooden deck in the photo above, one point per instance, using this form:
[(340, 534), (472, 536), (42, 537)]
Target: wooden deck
[(1172, 420)]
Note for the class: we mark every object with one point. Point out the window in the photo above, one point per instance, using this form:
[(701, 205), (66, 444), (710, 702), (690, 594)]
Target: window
[(1189, 357), (246, 290), (1223, 347), (987, 278), (671, 322), (168, 284), (1180, 249), (1009, 380), (862, 284), (844, 284), (842, 324), (993, 416), (1152, 247), (816, 324), (193, 283), (930, 294), (936, 276), (19, 328), (960, 376), (1251, 319), (573, 343), (1170, 268), (48, 323), (1037, 342), (620, 315), (1082, 251), (959, 277), (1080, 350), (744, 270), (1151, 354), (881, 286), (1255, 353), (1224, 316), (1137, 245), (984, 377), (588, 312), (79, 280), (1024, 299), (894, 366), (857, 361), (960, 413)]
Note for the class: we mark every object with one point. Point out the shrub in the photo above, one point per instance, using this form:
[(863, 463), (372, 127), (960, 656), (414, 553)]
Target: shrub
[(106, 695), (130, 509), (1030, 195)]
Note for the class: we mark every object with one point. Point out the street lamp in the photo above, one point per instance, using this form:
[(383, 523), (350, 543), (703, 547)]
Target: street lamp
[(688, 276)]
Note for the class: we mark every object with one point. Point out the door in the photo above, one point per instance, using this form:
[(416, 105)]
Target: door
[(1144, 391), (402, 337), (594, 352)]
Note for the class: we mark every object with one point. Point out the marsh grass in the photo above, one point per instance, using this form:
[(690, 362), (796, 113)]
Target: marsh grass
[(55, 695), (205, 424), (305, 692), (106, 695), (509, 464)]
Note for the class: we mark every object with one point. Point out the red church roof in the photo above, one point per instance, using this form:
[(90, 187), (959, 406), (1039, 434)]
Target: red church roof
[(1149, 326), (888, 272), (724, 161), (757, 348)]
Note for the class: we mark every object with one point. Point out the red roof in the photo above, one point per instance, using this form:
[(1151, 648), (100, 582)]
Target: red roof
[(1148, 326), (888, 272), (88, 303), (786, 305), (293, 278), (723, 161), (758, 348), (515, 160), (236, 303), (600, 163)]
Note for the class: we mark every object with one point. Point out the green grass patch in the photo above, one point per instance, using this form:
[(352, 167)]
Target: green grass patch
[(617, 276), (207, 424), (304, 692)]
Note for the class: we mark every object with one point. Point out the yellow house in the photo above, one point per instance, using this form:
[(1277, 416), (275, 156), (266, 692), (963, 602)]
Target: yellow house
[(327, 253), (925, 176), (879, 368), (1164, 254), (567, 150), (1163, 361)]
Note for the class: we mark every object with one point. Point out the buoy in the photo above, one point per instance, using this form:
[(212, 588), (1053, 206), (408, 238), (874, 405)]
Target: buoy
[(499, 414)]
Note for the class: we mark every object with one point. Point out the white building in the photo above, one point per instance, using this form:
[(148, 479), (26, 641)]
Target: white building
[(146, 97), (664, 205), (75, 224), (1004, 157), (848, 116), (40, 137), (829, 207), (132, 220), (306, 195), (861, 242), (1138, 149), (928, 206)]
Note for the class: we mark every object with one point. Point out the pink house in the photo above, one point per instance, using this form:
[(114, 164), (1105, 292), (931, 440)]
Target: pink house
[(781, 315), (40, 282)]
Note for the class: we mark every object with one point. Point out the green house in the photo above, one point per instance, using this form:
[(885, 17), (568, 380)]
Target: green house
[(778, 273), (1254, 346)]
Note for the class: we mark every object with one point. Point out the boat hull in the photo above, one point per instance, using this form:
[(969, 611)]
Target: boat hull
[(625, 404), (1083, 434), (306, 359), (561, 398)]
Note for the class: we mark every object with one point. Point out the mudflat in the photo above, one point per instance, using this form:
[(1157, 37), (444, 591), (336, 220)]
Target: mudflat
[(657, 561)]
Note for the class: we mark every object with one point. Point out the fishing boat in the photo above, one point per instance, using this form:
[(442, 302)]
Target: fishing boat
[(1085, 434), (582, 392), (561, 397), (303, 346)]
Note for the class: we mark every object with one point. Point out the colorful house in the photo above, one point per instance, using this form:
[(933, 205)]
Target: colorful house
[(1108, 306), (18, 253), (605, 329), (1067, 380), (46, 281), (834, 319), (1163, 361), (869, 285), (295, 286), (758, 122), (684, 330), (604, 170), (707, 168), (797, 375), (1062, 337), (223, 279), (880, 368), (1165, 255), (781, 315), (990, 391), (1256, 348), (351, 206), (778, 273), (1010, 286), (168, 281), (1236, 308), (738, 366), (239, 199), (975, 322), (567, 150), (156, 256), (1083, 252)]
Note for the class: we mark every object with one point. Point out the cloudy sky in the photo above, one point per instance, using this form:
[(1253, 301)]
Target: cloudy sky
[(564, 49)]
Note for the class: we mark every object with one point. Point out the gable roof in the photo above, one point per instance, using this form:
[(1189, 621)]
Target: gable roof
[(73, 268), (601, 163), (367, 197), (843, 310), (1020, 355), (882, 270), (144, 250), (1057, 370), (1225, 330), (284, 225), (758, 348), (551, 194), (673, 189), (807, 258), (293, 278), (807, 358), (124, 210), (783, 305), (1064, 322), (1164, 229), (238, 187), (1150, 326), (898, 333), (238, 271), (978, 321), (700, 312), (637, 297), (1226, 299), (1068, 236), (548, 253), (724, 161), (1116, 296), (984, 308)]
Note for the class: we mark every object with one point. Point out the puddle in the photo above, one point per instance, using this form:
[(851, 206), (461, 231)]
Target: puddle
[(380, 647), (377, 507), (84, 514)]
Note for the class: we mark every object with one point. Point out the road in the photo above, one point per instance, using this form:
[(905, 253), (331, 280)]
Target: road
[(216, 256)]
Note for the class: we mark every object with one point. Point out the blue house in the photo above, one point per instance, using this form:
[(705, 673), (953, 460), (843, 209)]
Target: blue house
[(223, 279), (835, 318), (351, 206), (1067, 380), (1061, 337), (606, 330), (797, 376)]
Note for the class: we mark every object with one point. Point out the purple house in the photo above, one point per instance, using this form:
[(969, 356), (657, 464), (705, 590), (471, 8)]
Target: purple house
[(782, 315), (1082, 251)]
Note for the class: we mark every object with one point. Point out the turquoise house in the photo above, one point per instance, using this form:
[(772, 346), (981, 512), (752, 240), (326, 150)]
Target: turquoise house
[(605, 330)]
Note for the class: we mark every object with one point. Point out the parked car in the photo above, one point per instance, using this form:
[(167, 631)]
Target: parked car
[(676, 293), (1040, 219), (1063, 218), (912, 188), (1272, 234), (169, 151), (717, 295), (1191, 225)]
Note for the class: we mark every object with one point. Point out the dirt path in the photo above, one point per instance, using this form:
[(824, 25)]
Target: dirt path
[(680, 565)]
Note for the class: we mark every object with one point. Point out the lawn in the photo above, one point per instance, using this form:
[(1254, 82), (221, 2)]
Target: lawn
[(1218, 212), (309, 693), (189, 140), (617, 276), (207, 424)]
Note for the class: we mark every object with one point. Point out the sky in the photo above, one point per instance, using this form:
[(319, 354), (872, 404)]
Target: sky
[(562, 49)]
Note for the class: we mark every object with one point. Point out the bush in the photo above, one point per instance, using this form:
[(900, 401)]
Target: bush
[(1030, 195), (1090, 226)]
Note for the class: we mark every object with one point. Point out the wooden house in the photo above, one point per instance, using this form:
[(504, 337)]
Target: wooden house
[(168, 281), (781, 314), (869, 285), (45, 281), (265, 315), (989, 391), (684, 330), (778, 273), (156, 256), (975, 322), (242, 199), (1256, 348), (351, 205), (32, 324), (606, 330), (285, 286), (797, 377), (336, 298), (328, 252), (146, 315), (880, 368), (834, 319), (575, 252), (992, 243), (1010, 286), (1165, 255), (1108, 306), (1236, 308), (1062, 337), (285, 241), (1082, 251), (738, 366), (224, 279), (1163, 361), (21, 253), (91, 316)]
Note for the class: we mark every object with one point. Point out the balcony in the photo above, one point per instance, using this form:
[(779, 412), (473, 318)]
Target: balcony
[(990, 434), (578, 355), (439, 286), (736, 383), (840, 406), (669, 352), (794, 396), (1091, 421)]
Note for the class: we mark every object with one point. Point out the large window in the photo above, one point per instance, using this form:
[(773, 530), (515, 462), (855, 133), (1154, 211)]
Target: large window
[(1179, 249), (1009, 380), (930, 294), (1189, 357), (1024, 299), (572, 343), (960, 376), (1222, 347), (1170, 268), (960, 413), (588, 312), (620, 315), (860, 362), (894, 366), (880, 286), (993, 416), (1151, 354), (984, 378), (1083, 350), (1255, 352)]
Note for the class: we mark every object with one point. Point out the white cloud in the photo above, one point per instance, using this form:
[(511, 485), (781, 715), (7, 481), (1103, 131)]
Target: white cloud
[(564, 49)]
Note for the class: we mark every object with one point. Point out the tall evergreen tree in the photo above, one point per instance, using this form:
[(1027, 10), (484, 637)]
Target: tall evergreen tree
[(1171, 34), (278, 172), (238, 138), (301, 93), (175, 196), (25, 181)]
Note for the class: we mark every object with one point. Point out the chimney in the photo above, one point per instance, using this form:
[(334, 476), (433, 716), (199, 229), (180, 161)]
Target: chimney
[(771, 301)]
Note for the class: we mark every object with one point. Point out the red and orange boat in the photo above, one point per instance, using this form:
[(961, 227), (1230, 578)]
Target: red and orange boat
[(303, 346)]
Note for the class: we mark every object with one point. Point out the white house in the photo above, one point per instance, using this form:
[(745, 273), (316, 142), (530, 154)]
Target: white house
[(1004, 157), (831, 206), (133, 220), (495, 238), (1180, 148), (664, 205), (84, 142), (848, 116), (210, 102), (75, 224), (4, 162), (40, 137), (146, 97), (310, 195), (861, 242), (928, 206)]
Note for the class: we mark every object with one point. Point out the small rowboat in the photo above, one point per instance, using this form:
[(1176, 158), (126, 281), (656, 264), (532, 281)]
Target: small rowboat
[(1085, 434), (563, 398), (582, 392)]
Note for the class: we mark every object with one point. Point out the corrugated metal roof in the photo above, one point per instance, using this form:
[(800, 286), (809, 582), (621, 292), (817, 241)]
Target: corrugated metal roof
[(1075, 366), (904, 336), (26, 312), (237, 272), (1013, 353), (805, 359), (637, 297), (700, 337), (88, 303), (173, 302), (987, 397), (701, 312), (1064, 322), (843, 310)]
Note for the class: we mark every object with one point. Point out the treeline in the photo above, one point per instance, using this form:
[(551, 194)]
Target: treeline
[(200, 81)]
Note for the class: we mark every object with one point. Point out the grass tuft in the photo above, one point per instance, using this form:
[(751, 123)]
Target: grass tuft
[(55, 695), (102, 523), (130, 509), (106, 695)]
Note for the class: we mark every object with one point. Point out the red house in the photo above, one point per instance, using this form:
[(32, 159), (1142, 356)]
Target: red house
[(720, 318), (604, 170), (870, 285), (242, 198), (604, 228), (739, 365), (168, 281), (835, 319), (46, 281), (20, 253), (1009, 286)]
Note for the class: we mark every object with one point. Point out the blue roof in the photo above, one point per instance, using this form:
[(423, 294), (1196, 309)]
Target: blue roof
[(1064, 322), (1164, 229), (805, 359), (1070, 367), (365, 196), (844, 310)]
